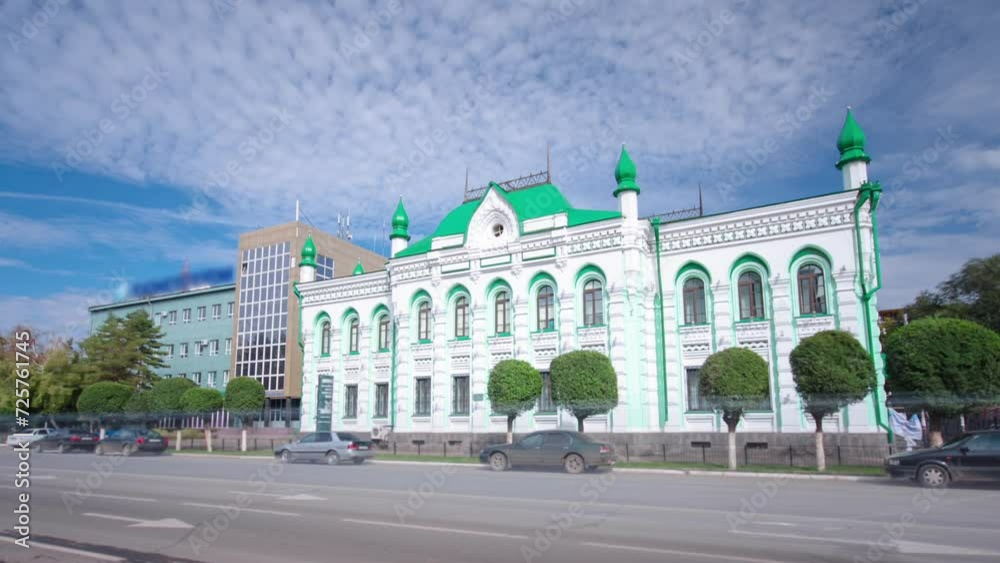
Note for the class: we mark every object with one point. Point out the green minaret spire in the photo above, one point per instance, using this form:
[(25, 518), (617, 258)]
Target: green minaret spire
[(851, 142), (400, 223), (308, 253), (625, 174), (359, 269)]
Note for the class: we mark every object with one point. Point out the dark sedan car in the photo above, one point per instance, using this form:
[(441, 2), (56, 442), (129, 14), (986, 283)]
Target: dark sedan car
[(66, 440), (975, 455), (573, 451), (128, 441)]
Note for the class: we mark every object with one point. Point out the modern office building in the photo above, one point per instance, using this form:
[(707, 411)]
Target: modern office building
[(516, 271), (265, 325), (197, 326)]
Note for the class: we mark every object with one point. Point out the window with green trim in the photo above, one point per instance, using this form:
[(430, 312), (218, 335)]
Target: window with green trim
[(501, 313), (424, 321), (350, 401), (812, 290), (462, 317), (325, 339), (381, 400), (422, 398), (695, 400), (383, 333), (694, 301), (545, 308), (593, 303), (545, 404), (751, 296), (355, 331), (460, 395)]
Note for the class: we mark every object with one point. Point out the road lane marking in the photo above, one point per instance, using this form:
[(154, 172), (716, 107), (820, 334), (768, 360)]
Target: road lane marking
[(70, 550), (235, 507), (141, 523), (678, 552), (435, 529), (281, 496), (88, 495)]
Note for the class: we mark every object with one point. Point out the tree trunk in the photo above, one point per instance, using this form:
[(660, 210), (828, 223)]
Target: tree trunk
[(177, 444), (579, 423), (820, 452), (510, 429), (243, 440), (731, 423), (934, 426), (208, 439)]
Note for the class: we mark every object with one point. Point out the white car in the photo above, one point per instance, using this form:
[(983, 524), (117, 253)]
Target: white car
[(27, 436)]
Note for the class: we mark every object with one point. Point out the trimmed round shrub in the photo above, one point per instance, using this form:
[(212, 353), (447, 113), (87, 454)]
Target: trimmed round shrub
[(201, 401), (138, 403), (831, 370), (244, 396), (165, 396), (103, 398), (584, 382), (733, 380)]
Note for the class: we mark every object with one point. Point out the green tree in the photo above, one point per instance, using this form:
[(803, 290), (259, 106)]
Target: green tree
[(125, 350), (943, 366), (733, 380), (103, 399), (202, 402), (165, 396), (513, 388), (57, 386), (243, 399), (831, 370), (14, 347), (584, 383), (972, 293)]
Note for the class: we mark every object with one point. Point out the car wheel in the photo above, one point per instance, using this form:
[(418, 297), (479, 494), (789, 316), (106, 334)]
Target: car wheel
[(332, 458), (127, 450), (574, 464), (359, 460), (933, 476), (99, 449), (286, 456), (498, 462)]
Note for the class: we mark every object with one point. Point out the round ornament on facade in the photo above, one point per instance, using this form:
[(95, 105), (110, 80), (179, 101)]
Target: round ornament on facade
[(498, 230)]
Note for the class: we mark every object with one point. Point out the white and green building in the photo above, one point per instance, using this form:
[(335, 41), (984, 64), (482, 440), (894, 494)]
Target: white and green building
[(517, 272)]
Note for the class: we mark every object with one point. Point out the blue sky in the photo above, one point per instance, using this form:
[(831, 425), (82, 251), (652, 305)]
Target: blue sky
[(118, 121)]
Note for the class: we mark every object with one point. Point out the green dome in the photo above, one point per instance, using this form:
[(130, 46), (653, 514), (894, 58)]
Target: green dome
[(308, 253), (400, 223), (359, 269), (625, 174), (851, 142)]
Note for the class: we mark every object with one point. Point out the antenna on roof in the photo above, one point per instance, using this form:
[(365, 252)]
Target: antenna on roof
[(701, 207), (466, 178), (548, 163)]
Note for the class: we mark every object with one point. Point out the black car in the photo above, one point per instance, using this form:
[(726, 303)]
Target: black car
[(975, 455), (128, 441), (573, 451), (66, 440)]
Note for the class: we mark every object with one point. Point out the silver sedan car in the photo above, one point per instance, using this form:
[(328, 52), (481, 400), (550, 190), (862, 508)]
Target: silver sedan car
[(331, 447)]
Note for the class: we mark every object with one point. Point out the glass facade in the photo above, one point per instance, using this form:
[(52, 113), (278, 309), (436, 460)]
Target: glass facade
[(262, 331)]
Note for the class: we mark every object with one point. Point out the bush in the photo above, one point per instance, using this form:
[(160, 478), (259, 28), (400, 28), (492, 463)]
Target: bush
[(138, 403), (831, 370), (584, 382), (944, 366), (733, 380), (513, 387), (103, 398), (165, 396), (201, 401), (244, 396)]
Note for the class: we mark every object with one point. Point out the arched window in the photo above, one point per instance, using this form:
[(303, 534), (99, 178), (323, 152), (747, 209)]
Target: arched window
[(354, 333), (751, 296), (501, 313), (812, 290), (424, 321), (324, 344), (462, 317), (546, 310), (694, 301), (383, 333), (593, 303)]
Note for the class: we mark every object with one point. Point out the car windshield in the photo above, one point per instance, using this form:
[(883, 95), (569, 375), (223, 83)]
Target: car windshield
[(956, 440)]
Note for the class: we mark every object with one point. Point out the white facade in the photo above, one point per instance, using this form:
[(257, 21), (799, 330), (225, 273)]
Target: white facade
[(501, 251)]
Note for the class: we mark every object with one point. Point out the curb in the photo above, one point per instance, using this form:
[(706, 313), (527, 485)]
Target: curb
[(636, 470)]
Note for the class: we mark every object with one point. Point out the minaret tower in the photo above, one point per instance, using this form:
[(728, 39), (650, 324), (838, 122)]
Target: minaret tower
[(307, 267), (853, 163), (627, 191), (400, 223)]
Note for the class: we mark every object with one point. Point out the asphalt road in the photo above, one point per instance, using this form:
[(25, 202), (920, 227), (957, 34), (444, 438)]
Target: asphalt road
[(85, 509)]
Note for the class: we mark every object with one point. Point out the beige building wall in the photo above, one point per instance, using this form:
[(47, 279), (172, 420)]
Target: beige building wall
[(345, 256)]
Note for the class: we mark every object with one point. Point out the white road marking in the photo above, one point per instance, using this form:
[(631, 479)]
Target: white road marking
[(775, 524), (677, 552), (88, 495), (910, 547), (281, 496), (435, 529), (140, 523), (224, 507), (59, 548)]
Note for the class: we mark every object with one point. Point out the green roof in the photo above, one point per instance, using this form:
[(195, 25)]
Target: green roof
[(851, 142), (529, 203), (400, 222)]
